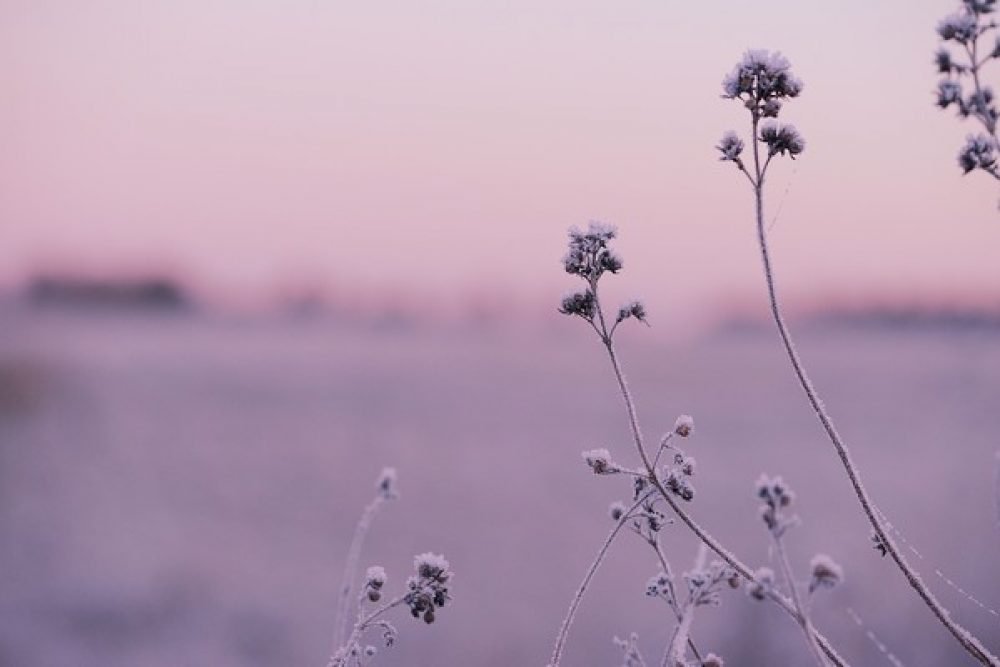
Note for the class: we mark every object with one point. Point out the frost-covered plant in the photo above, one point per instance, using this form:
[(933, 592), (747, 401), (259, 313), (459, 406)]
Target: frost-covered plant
[(590, 258), (386, 488), (427, 590), (777, 499), (762, 82), (969, 40)]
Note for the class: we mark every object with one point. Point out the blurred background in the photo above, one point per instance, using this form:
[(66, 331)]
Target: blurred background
[(251, 252)]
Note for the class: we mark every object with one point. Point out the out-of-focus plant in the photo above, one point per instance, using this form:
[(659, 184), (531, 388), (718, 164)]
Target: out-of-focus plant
[(969, 40), (427, 590), (762, 82), (653, 485)]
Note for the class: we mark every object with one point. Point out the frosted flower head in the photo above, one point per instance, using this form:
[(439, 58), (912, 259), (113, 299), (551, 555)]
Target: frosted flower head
[(759, 76), (617, 510), (375, 576), (686, 464), (678, 484), (825, 572), (949, 92), (781, 139), (774, 492), (770, 109), (684, 426), (375, 579), (959, 27), (583, 304), (600, 461), (731, 147), (776, 496), (712, 660), (980, 103), (428, 590), (978, 153), (588, 255), (634, 309), (704, 584), (945, 63), (659, 585), (762, 584), (385, 485)]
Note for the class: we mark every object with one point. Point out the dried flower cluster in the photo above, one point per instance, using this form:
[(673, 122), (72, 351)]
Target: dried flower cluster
[(428, 589), (762, 81), (968, 42)]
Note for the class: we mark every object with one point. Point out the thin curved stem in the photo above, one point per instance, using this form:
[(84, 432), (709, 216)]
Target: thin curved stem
[(574, 604), (969, 642), (350, 569), (364, 622)]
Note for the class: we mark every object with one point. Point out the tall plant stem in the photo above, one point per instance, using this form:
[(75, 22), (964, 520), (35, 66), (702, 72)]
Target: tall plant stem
[(969, 642), (350, 569), (703, 535)]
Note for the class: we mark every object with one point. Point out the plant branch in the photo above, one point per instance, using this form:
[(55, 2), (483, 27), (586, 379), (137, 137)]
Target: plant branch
[(964, 637)]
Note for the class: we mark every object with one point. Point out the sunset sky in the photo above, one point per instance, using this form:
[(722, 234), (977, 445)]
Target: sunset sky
[(443, 147)]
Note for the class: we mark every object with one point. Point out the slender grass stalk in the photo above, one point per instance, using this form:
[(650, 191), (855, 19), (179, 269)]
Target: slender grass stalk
[(574, 604), (351, 569)]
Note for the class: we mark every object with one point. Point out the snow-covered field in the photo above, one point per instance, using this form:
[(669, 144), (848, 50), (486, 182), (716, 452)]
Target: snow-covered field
[(181, 490)]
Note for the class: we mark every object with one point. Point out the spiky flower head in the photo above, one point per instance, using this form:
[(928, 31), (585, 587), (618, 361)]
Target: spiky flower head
[(781, 139), (759, 76), (949, 92), (825, 572), (429, 588), (600, 461), (731, 147), (588, 255), (958, 27), (582, 303), (684, 426), (978, 153)]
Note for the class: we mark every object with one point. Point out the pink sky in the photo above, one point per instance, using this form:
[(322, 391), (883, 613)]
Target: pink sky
[(446, 146)]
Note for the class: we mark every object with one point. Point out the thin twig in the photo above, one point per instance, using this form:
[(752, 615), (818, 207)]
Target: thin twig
[(582, 589)]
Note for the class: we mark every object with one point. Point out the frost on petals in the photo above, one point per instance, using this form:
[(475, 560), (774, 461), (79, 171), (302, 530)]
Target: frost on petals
[(600, 461), (781, 139), (684, 425), (761, 75), (731, 147), (978, 153), (825, 572)]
